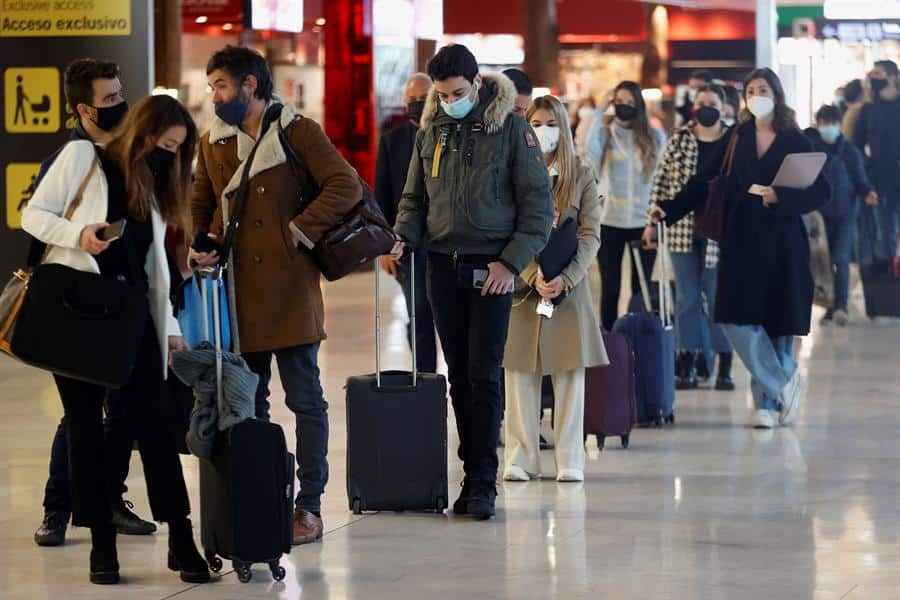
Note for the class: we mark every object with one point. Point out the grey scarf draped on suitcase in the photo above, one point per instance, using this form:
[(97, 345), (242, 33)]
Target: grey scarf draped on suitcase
[(197, 368)]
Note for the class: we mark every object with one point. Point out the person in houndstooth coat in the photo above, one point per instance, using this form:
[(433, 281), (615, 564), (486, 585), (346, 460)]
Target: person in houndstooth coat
[(695, 149)]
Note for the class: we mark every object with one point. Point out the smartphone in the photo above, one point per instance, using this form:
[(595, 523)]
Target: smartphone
[(113, 231), (203, 243), (479, 276)]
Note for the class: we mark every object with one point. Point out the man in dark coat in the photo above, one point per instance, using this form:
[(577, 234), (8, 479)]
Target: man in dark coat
[(394, 153)]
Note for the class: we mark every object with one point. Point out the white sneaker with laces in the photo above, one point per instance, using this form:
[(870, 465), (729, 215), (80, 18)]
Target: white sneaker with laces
[(514, 473), (764, 419), (566, 475), (790, 399)]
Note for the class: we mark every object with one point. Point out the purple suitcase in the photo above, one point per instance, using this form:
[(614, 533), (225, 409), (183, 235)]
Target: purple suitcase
[(609, 399)]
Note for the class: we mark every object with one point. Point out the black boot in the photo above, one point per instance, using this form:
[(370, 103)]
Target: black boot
[(460, 507), (687, 371), (52, 531), (724, 382), (703, 369), (183, 554), (104, 559), (128, 523), (482, 500)]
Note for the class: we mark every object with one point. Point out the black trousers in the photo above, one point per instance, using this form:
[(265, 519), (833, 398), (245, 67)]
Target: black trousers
[(614, 242), (473, 332), (142, 407)]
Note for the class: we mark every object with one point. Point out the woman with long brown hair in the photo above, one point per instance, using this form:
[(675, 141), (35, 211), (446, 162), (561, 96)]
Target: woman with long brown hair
[(136, 183), (625, 150), (764, 288), (568, 341)]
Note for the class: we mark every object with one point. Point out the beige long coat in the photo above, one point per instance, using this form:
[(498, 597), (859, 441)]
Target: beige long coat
[(571, 339)]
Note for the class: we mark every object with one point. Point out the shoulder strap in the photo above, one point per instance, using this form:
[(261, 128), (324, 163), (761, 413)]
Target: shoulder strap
[(298, 166), (240, 196), (729, 153)]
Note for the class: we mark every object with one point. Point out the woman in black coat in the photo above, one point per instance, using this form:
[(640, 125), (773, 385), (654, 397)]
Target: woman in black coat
[(765, 288)]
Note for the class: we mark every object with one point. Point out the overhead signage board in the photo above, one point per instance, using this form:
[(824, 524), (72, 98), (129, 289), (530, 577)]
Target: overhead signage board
[(852, 32), (38, 39)]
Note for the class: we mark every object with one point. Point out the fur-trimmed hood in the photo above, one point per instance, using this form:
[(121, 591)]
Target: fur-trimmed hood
[(497, 98)]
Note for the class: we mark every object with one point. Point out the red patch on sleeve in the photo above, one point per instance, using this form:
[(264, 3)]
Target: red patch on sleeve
[(530, 140)]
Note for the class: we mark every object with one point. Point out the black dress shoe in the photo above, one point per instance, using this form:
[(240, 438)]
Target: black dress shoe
[(544, 444), (52, 531), (183, 554), (128, 523), (104, 559), (460, 507), (482, 502)]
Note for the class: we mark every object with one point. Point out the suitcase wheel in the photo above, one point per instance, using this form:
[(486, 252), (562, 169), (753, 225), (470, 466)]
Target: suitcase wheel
[(214, 562), (244, 573), (625, 438), (357, 506), (277, 570), (440, 505)]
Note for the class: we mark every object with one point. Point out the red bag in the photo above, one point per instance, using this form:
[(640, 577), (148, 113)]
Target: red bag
[(709, 219)]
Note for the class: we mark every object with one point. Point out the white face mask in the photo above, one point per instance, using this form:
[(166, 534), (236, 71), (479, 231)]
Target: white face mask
[(729, 121), (760, 106), (548, 138), (585, 112)]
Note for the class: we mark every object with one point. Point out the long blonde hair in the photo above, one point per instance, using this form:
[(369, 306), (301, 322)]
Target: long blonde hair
[(564, 157)]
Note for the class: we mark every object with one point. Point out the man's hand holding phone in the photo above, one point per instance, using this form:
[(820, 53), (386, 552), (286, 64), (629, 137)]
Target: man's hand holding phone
[(499, 281), (204, 249)]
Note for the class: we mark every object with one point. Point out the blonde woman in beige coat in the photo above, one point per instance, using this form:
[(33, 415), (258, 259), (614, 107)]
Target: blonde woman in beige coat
[(565, 344)]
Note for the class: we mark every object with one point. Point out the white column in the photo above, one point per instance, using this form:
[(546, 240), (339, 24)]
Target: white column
[(766, 34)]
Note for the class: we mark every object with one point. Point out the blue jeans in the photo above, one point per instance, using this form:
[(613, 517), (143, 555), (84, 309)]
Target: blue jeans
[(299, 371), (426, 341), (840, 244), (695, 295), (770, 362)]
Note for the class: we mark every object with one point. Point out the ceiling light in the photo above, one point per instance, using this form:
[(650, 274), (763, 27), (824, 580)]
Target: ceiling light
[(201, 20), (320, 21)]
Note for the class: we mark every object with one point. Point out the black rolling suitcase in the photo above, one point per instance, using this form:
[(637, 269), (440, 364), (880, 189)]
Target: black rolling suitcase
[(247, 488), (396, 435)]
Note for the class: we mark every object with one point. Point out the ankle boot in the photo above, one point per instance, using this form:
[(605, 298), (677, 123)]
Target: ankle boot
[(724, 382), (104, 559), (687, 371), (183, 554)]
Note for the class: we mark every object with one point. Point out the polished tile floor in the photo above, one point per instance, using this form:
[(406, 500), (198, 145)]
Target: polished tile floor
[(709, 509)]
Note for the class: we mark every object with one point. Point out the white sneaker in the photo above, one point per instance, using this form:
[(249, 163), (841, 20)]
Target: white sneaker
[(764, 419), (514, 473), (841, 318), (566, 475), (790, 399)]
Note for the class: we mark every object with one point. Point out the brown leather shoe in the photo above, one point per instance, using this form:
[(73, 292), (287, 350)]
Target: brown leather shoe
[(307, 527)]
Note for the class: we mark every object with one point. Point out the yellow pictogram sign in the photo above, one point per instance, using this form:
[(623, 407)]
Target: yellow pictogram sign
[(31, 99), (19, 189)]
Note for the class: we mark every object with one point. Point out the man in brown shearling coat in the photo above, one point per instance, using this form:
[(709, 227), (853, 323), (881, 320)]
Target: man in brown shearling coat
[(275, 298)]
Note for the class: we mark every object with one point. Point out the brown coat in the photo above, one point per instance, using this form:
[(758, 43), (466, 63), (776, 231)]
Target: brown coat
[(571, 339), (276, 293)]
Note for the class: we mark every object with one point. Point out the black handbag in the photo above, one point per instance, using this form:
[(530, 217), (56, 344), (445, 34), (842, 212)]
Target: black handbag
[(361, 236), (77, 324)]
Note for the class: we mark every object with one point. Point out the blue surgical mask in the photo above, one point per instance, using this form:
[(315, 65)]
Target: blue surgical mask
[(462, 107), (830, 133)]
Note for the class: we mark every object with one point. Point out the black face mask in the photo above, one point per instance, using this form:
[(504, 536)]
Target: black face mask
[(109, 117), (160, 160), (626, 113), (415, 109), (234, 111), (878, 86), (707, 115)]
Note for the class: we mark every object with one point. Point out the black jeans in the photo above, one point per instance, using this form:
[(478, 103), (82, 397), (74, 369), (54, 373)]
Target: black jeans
[(473, 332), (299, 370), (426, 341), (119, 441), (613, 243), (141, 403)]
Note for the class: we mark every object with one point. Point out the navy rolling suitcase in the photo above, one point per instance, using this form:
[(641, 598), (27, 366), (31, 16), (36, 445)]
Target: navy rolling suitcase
[(247, 488), (653, 340), (396, 434)]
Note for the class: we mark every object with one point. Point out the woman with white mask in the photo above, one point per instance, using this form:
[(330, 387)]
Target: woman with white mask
[(765, 288), (564, 337)]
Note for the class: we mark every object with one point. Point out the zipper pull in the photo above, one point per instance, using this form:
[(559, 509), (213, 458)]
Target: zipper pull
[(455, 259)]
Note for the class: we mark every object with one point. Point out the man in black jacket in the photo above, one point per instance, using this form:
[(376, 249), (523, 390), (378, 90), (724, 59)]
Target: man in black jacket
[(94, 94), (394, 152), (878, 128)]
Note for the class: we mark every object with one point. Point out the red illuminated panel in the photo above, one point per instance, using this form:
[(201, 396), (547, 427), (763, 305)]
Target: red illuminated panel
[(692, 25)]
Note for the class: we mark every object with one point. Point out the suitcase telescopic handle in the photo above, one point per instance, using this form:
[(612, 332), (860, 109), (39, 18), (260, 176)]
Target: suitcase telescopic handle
[(663, 254), (412, 319), (213, 273)]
